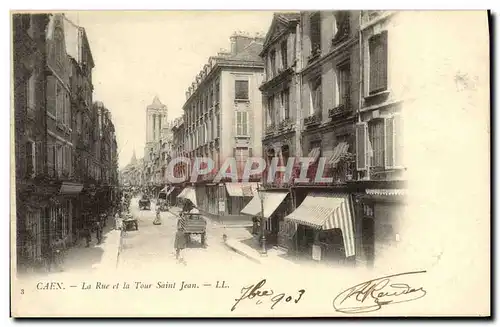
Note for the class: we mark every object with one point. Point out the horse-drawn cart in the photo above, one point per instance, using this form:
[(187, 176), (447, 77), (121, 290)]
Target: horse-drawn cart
[(130, 223), (193, 223)]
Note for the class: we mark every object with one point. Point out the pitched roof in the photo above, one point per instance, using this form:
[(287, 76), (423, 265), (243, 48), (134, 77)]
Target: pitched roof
[(249, 53), (284, 18)]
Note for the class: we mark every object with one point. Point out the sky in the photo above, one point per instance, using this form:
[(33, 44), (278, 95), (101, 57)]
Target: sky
[(140, 55)]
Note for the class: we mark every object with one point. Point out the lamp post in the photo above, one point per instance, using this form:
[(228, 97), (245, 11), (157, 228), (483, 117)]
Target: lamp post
[(260, 191)]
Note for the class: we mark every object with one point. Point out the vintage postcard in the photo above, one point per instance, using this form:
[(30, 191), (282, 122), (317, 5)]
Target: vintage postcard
[(325, 163)]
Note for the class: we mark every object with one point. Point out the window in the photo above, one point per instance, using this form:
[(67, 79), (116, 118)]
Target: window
[(285, 103), (241, 123), (241, 156), (378, 63), (30, 159), (273, 62), (316, 96), (218, 125), (284, 54), (217, 92), (270, 110), (344, 84), (59, 46), (79, 123), (241, 90), (30, 92), (315, 32), (376, 135), (314, 144)]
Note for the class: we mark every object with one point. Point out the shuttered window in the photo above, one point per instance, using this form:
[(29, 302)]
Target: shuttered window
[(39, 158), (30, 165), (398, 142), (361, 148), (51, 95), (284, 54), (376, 132), (285, 103), (389, 142), (316, 96), (242, 123), (378, 62)]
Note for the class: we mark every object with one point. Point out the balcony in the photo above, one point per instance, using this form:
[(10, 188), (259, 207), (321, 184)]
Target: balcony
[(270, 129), (315, 53), (343, 28), (341, 110), (285, 124), (312, 120)]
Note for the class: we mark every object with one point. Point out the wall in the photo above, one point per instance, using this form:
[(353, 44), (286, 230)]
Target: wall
[(228, 108)]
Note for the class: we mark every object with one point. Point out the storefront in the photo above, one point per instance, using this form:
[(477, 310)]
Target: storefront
[(266, 207), (188, 193), (239, 195), (325, 227), (382, 211)]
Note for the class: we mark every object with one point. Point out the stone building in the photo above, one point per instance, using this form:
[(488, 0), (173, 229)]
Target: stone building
[(30, 143), (56, 134), (223, 119), (156, 120)]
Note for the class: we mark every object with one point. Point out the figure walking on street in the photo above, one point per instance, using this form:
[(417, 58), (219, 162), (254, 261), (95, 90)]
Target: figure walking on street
[(180, 242), (157, 220), (99, 232)]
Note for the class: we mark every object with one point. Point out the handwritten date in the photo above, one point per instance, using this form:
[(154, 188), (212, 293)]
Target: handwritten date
[(256, 291), (373, 294)]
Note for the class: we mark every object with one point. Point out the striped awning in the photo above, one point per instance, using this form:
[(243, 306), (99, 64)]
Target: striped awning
[(327, 211), (314, 154), (170, 190), (338, 151), (189, 193), (241, 189), (387, 192), (164, 190), (271, 202)]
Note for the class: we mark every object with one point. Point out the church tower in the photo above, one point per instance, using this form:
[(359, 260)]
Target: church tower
[(156, 118)]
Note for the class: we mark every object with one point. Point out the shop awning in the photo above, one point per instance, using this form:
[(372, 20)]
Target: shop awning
[(271, 202), (164, 190), (338, 151), (188, 193), (327, 211), (241, 189), (170, 190), (70, 188)]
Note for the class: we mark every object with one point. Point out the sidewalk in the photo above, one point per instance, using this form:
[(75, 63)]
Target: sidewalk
[(273, 257), (97, 256)]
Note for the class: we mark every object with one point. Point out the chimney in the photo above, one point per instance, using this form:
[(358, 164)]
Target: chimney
[(239, 41)]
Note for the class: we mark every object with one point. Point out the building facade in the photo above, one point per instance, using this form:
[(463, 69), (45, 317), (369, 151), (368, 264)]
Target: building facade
[(223, 119), (345, 116), (380, 162), (282, 113), (57, 148), (30, 123)]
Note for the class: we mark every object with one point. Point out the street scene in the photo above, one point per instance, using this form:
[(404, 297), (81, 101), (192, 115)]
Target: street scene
[(270, 154), (280, 140)]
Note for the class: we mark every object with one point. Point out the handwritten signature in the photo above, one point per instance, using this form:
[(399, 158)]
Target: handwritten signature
[(373, 294), (256, 291)]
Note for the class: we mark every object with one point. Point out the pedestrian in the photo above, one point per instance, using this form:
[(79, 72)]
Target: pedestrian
[(99, 232), (157, 220), (118, 222), (88, 235), (180, 242)]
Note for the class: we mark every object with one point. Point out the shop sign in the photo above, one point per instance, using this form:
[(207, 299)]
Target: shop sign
[(316, 252)]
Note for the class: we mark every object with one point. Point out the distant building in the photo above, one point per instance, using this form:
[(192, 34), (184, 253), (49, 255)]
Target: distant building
[(156, 120)]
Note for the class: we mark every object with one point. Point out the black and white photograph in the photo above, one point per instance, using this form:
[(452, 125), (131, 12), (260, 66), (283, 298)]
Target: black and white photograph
[(324, 163)]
